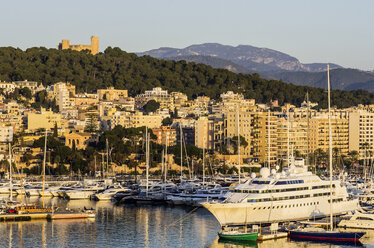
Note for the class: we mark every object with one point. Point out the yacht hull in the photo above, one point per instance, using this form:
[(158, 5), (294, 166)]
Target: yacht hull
[(353, 237), (278, 211)]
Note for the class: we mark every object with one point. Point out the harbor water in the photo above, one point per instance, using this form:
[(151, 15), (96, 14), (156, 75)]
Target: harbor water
[(131, 226)]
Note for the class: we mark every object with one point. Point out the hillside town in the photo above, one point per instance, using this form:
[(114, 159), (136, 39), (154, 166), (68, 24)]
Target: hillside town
[(269, 133)]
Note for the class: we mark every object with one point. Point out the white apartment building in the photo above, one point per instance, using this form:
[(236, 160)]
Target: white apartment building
[(6, 133)]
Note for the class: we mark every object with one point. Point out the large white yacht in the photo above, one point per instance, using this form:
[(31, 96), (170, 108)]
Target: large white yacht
[(294, 194)]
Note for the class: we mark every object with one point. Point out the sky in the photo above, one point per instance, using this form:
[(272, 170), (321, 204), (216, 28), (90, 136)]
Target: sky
[(334, 31)]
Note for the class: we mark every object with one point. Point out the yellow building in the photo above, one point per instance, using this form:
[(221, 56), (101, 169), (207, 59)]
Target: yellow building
[(204, 133), (165, 135), (80, 140), (159, 95), (243, 127), (319, 134), (361, 125), (137, 119), (111, 94), (43, 119), (93, 48), (264, 125), (293, 138)]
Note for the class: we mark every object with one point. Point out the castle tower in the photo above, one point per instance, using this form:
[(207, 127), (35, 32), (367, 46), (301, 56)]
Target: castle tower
[(94, 45), (65, 44)]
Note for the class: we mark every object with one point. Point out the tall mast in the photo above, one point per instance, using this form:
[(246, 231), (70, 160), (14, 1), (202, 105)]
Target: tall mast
[(330, 143), (107, 157), (162, 162), (288, 136), (237, 113), (10, 171), (45, 153), (269, 139), (95, 166), (204, 161), (307, 133), (181, 139), (147, 156), (166, 158)]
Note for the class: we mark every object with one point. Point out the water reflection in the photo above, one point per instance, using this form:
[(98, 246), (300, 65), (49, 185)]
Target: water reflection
[(130, 226)]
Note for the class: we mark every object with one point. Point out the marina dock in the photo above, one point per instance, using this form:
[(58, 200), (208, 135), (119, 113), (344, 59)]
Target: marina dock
[(22, 217), (269, 236), (45, 216)]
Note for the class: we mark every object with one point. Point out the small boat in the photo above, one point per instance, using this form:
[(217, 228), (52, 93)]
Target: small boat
[(322, 235), (358, 220), (236, 234)]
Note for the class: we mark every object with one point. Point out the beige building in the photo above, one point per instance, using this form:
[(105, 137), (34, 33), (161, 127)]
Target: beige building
[(165, 135), (111, 94), (43, 119), (204, 133), (239, 122), (361, 124), (264, 137), (80, 140), (137, 119), (159, 95), (6, 133), (64, 94), (93, 48), (292, 137), (319, 134)]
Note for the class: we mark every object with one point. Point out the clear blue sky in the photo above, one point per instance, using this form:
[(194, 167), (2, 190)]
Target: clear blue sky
[(336, 31)]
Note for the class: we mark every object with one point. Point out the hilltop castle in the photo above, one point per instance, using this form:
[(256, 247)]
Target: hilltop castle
[(94, 47)]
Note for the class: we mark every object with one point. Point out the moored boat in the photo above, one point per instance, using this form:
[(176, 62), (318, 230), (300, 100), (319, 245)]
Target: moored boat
[(320, 234), (237, 235)]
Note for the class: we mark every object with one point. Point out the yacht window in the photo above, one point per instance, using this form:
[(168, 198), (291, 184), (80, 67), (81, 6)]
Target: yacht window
[(260, 182), (364, 218)]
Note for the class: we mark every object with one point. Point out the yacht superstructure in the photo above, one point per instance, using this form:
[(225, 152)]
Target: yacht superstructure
[(294, 194)]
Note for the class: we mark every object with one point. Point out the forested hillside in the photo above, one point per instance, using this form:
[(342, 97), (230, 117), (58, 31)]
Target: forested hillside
[(123, 70)]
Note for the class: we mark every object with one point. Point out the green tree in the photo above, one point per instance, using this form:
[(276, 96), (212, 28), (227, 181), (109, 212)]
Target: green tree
[(151, 106), (91, 123), (55, 130), (167, 121)]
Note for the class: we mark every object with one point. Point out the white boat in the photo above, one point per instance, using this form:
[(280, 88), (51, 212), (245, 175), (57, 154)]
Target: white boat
[(358, 220), (84, 192), (78, 194), (5, 189), (108, 194), (295, 194)]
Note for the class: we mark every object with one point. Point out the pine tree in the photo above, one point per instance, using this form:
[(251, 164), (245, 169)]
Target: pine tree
[(91, 123)]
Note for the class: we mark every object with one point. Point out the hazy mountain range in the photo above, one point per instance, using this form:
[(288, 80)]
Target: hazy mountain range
[(270, 64)]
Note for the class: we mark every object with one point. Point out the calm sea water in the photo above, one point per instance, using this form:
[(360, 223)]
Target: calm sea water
[(130, 226)]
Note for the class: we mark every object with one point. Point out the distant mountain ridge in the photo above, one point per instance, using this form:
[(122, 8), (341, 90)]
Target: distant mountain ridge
[(341, 79), (253, 58), (269, 63)]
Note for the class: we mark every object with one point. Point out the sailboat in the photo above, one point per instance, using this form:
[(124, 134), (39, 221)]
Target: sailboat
[(320, 234)]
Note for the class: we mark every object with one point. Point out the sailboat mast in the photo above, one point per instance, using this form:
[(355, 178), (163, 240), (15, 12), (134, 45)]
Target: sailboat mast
[(166, 159), (44, 158), (330, 143), (204, 162), (180, 139), (147, 157), (107, 157), (237, 112), (269, 139), (288, 136), (10, 171), (307, 133)]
